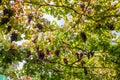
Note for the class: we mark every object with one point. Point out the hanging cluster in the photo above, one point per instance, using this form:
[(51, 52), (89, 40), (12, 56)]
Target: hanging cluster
[(14, 36), (40, 53), (79, 55), (30, 16), (7, 14), (83, 36)]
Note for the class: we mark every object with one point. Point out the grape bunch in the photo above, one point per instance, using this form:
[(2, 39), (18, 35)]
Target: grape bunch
[(9, 28), (110, 26), (40, 54), (8, 12), (13, 36), (84, 37), (65, 61), (57, 52), (79, 55), (39, 26), (4, 20), (30, 16)]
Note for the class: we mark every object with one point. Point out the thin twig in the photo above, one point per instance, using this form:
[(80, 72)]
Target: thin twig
[(69, 65), (54, 6)]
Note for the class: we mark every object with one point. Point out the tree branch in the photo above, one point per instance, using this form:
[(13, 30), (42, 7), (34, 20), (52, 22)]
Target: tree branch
[(54, 6), (68, 7), (69, 65)]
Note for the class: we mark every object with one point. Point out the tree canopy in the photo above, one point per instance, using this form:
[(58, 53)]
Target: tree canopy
[(85, 47)]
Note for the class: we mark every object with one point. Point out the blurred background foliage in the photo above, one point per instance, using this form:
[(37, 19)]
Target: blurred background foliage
[(85, 47)]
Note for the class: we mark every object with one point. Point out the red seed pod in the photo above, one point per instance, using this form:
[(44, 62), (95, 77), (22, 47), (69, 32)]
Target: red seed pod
[(13, 36), (85, 71), (8, 12), (81, 55), (82, 63), (30, 16), (28, 53), (40, 54), (110, 26), (83, 35), (48, 54), (37, 47), (47, 51), (34, 39), (65, 61), (77, 55), (98, 26), (5, 20), (82, 5), (39, 26), (57, 52), (9, 28), (88, 55), (92, 53)]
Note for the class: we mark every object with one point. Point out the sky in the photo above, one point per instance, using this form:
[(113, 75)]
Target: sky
[(51, 18)]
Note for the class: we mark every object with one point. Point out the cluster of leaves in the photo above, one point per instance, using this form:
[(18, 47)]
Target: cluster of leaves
[(81, 49)]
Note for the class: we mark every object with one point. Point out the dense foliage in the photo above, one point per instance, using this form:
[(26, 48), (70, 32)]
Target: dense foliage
[(83, 48)]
